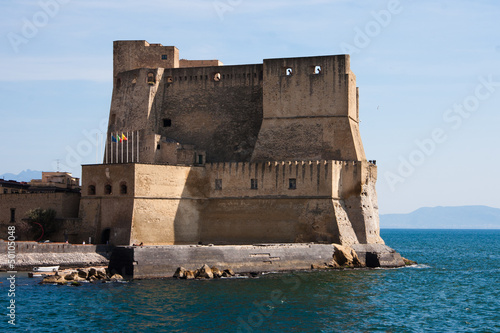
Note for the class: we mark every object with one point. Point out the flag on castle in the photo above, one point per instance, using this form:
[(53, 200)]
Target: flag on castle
[(123, 138), (113, 138)]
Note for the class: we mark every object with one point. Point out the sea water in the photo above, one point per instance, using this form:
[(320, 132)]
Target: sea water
[(454, 288)]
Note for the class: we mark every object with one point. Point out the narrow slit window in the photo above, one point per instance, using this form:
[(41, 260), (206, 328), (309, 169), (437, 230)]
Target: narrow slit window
[(254, 184), (123, 188), (12, 215)]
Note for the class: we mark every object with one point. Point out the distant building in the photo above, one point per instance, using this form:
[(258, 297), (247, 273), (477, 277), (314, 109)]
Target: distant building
[(56, 190), (12, 186), (56, 180)]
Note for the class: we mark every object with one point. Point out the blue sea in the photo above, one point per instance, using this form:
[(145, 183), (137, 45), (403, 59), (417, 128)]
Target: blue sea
[(454, 288)]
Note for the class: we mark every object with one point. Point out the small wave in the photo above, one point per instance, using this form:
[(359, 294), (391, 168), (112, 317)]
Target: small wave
[(419, 266)]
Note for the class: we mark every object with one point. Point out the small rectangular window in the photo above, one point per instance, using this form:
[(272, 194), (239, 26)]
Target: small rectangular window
[(254, 184), (158, 147), (167, 122), (5, 191), (164, 57), (200, 159), (292, 184), (12, 215), (218, 184)]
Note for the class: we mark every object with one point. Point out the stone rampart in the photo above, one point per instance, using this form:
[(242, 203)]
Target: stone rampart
[(32, 254), (162, 261)]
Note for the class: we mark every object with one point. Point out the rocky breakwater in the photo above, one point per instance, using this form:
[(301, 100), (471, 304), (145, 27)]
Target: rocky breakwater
[(364, 256), (343, 257), (204, 272), (76, 276)]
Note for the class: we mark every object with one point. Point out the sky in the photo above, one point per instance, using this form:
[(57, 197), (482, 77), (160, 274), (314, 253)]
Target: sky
[(428, 74)]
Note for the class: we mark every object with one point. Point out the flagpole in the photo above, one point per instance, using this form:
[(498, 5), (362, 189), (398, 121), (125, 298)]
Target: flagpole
[(137, 146), (132, 147), (117, 150), (111, 148), (127, 147)]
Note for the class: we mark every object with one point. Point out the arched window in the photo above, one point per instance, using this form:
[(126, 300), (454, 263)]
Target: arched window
[(91, 190), (108, 189), (123, 188)]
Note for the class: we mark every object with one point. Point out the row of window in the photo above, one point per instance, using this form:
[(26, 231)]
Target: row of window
[(108, 189), (6, 191), (217, 76), (288, 71), (254, 184)]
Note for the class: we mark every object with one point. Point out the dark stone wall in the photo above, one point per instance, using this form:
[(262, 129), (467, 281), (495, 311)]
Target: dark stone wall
[(221, 115)]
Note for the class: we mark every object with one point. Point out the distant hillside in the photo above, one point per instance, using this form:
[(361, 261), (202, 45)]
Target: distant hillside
[(462, 217), (23, 176)]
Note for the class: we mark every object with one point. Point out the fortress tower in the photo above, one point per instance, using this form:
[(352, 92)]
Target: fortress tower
[(239, 154)]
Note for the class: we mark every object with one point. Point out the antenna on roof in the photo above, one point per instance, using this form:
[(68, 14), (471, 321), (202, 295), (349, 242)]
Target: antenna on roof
[(57, 165)]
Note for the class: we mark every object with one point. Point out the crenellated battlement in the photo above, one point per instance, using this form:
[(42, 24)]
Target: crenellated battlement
[(288, 178)]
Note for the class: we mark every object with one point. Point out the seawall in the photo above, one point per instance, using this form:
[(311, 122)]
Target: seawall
[(143, 262), (33, 254)]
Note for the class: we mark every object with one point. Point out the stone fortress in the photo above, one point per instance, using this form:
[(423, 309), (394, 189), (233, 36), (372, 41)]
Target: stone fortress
[(245, 154)]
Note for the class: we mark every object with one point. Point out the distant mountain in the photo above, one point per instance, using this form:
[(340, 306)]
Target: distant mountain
[(23, 176), (462, 217)]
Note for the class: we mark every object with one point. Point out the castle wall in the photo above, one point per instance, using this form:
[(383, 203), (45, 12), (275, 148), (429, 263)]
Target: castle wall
[(109, 208), (310, 110), (64, 203), (220, 117), (303, 201), (315, 87)]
